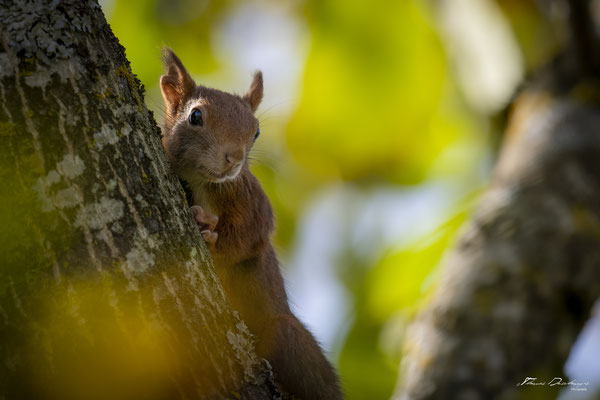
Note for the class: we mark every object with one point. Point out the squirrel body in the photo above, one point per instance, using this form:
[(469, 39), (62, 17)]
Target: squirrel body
[(207, 135)]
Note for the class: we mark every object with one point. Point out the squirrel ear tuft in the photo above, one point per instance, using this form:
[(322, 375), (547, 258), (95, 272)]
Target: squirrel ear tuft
[(176, 84), (255, 93)]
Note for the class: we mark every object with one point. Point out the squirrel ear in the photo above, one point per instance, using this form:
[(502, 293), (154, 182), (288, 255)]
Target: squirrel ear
[(255, 93), (177, 84)]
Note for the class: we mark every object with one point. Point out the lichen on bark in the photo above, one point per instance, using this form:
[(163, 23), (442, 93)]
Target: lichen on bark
[(106, 289)]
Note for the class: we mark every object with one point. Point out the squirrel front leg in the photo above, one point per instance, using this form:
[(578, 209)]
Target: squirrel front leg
[(298, 362), (232, 245)]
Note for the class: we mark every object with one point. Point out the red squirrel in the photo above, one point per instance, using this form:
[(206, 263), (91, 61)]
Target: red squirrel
[(207, 136)]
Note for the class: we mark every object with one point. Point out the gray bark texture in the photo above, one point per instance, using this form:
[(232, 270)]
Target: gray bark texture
[(524, 274), (106, 289)]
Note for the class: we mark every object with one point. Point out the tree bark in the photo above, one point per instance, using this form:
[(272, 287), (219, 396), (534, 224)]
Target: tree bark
[(523, 277), (106, 289)]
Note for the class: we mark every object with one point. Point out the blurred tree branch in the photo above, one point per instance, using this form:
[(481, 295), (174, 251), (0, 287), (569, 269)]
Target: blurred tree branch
[(522, 279)]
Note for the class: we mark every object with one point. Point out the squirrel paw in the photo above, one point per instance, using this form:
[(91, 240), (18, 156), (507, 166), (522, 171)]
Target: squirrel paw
[(207, 222), (210, 237)]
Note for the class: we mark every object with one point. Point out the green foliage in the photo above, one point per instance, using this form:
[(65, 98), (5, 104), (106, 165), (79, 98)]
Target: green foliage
[(386, 298), (401, 278), (143, 27), (372, 88)]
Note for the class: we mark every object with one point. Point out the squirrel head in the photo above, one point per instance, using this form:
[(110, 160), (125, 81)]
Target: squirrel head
[(207, 133)]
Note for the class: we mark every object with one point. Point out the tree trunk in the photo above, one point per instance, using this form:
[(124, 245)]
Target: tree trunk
[(106, 289), (523, 277)]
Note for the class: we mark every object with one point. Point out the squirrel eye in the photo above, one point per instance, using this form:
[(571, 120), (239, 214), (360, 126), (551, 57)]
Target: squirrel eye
[(257, 134), (196, 118)]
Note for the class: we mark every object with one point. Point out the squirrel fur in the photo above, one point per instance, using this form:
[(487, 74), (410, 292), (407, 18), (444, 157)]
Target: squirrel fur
[(209, 150)]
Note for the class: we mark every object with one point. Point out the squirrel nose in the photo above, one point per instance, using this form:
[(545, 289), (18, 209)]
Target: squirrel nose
[(234, 157)]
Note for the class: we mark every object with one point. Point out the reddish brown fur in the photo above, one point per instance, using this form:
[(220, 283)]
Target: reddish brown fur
[(244, 257)]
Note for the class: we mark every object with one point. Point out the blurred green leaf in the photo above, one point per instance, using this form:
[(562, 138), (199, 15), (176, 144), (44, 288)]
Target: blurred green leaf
[(186, 26), (400, 278), (373, 82)]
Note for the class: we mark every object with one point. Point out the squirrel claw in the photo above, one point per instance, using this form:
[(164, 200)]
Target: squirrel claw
[(206, 220), (210, 237)]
